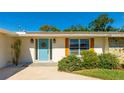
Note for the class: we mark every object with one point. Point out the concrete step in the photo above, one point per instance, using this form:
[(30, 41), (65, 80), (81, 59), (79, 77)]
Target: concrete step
[(43, 64)]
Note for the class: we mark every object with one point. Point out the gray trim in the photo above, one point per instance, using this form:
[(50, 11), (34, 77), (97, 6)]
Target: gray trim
[(36, 49), (50, 49)]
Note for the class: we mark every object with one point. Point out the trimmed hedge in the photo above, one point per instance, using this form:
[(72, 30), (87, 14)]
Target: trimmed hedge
[(108, 61), (90, 59), (69, 64)]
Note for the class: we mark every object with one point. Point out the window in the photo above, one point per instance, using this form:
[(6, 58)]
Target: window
[(116, 42), (84, 44), (76, 45)]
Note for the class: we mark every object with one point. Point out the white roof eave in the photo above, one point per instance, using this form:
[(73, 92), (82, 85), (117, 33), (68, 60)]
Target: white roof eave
[(71, 35)]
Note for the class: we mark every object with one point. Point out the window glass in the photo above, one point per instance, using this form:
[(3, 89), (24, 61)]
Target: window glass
[(84, 44), (116, 42), (74, 46)]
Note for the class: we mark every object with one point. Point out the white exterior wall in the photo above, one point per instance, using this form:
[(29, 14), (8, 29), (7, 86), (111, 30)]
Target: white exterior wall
[(27, 50), (99, 45), (5, 50), (58, 51), (118, 51), (106, 45)]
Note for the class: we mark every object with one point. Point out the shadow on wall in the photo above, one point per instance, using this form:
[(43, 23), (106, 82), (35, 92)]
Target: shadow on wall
[(32, 54), (27, 56), (27, 51), (9, 71)]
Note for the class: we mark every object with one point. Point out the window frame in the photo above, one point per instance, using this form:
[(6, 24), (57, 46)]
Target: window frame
[(116, 42), (79, 39), (69, 45)]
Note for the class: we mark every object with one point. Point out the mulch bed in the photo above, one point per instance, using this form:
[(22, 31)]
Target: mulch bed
[(120, 68)]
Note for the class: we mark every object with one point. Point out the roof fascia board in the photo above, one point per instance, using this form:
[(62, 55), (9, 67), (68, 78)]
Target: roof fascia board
[(71, 35)]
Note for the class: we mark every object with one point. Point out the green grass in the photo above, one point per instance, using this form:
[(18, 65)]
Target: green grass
[(105, 74)]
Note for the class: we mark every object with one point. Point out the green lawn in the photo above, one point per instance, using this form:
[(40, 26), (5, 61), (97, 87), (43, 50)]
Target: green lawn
[(105, 74)]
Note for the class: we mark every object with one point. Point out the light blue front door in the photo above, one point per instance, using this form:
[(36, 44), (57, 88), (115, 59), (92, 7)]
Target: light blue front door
[(43, 47)]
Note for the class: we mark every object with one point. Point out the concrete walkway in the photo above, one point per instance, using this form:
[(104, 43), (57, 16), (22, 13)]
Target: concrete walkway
[(41, 73)]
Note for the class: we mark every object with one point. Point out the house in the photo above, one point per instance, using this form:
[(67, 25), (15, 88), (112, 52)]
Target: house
[(53, 46)]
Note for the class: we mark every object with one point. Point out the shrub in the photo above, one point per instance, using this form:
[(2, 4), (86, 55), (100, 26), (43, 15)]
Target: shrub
[(108, 61), (122, 65), (90, 59), (69, 64), (16, 50)]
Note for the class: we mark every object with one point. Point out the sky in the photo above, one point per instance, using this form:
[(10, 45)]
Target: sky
[(31, 21)]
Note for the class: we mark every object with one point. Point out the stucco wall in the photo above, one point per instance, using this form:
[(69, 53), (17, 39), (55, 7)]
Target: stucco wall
[(99, 45), (118, 51), (27, 50), (5, 50), (58, 49)]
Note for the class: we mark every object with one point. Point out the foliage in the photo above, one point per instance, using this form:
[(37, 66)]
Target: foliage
[(108, 61), (16, 46), (106, 74), (69, 64), (102, 23), (49, 28), (54, 29), (110, 28), (122, 29), (90, 59), (122, 65), (74, 28)]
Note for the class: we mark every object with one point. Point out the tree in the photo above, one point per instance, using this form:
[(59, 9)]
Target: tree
[(77, 27), (122, 29), (49, 28), (101, 23), (54, 29), (110, 28), (16, 50)]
